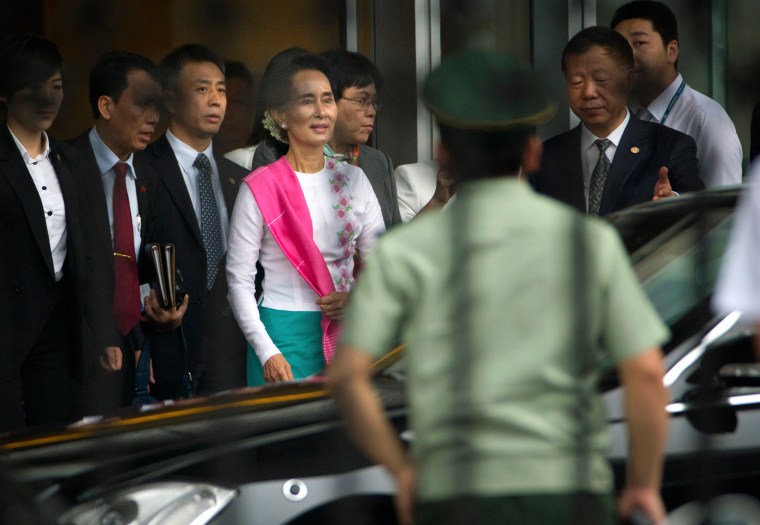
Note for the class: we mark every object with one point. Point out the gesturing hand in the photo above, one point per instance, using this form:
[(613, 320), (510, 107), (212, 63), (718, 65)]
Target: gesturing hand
[(662, 188)]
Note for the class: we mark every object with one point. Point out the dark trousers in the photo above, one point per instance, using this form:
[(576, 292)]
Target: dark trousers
[(533, 509), (103, 392), (40, 393)]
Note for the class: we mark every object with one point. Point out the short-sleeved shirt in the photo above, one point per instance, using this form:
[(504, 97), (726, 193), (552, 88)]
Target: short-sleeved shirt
[(719, 150), (521, 352)]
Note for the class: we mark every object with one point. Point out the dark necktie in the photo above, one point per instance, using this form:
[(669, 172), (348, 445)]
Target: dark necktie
[(211, 226), (126, 293), (598, 177)]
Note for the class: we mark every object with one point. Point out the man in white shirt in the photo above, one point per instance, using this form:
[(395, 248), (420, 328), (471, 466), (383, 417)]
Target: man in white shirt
[(663, 96)]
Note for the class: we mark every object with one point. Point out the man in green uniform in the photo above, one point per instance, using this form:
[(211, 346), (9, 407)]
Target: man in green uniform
[(509, 302)]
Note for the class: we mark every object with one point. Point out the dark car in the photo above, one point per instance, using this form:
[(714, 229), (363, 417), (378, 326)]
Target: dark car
[(279, 454)]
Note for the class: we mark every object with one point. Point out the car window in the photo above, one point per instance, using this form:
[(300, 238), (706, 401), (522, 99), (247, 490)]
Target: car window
[(678, 268)]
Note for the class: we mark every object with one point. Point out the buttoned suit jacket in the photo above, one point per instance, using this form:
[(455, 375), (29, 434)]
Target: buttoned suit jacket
[(209, 327), (28, 290), (644, 148)]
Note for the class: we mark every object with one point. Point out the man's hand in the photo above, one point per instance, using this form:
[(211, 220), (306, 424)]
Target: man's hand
[(662, 188), (445, 187), (646, 500), (277, 369), (110, 359), (332, 305), (165, 320)]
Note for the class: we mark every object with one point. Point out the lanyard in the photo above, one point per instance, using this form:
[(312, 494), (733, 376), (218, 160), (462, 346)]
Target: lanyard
[(673, 101)]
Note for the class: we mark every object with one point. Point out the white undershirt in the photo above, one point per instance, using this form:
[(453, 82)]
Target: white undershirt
[(49, 189), (590, 153), (185, 158), (284, 288)]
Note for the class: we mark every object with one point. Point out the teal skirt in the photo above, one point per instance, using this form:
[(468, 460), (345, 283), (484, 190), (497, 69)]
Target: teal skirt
[(298, 335)]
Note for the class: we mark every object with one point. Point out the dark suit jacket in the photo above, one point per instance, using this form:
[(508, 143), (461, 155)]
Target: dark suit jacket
[(375, 164), (104, 392), (95, 205), (28, 290), (644, 148), (209, 328)]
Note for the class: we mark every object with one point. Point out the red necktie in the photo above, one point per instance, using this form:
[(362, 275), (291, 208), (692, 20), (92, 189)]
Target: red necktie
[(126, 292)]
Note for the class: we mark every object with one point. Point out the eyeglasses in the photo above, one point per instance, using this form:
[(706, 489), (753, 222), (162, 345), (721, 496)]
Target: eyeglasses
[(365, 103)]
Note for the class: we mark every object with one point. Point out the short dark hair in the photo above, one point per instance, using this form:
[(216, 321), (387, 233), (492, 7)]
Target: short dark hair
[(485, 153), (349, 69), (173, 63), (25, 61), (662, 18), (609, 39), (108, 76)]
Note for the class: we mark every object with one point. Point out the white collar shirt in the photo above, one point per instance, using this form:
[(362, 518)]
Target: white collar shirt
[(106, 160), (590, 153), (49, 189), (185, 158), (719, 150)]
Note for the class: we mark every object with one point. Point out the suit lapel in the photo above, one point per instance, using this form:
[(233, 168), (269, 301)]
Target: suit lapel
[(165, 163), (20, 180), (92, 185), (571, 184), (634, 145), (230, 175)]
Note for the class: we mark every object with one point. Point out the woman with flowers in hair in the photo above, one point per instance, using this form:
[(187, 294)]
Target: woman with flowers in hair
[(306, 219)]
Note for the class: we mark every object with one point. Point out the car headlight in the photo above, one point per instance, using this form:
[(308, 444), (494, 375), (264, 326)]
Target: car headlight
[(163, 503)]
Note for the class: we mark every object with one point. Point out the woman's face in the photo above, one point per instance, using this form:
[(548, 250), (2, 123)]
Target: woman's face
[(35, 107), (309, 117)]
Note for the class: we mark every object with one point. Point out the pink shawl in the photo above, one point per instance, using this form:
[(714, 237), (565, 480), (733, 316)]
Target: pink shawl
[(280, 199)]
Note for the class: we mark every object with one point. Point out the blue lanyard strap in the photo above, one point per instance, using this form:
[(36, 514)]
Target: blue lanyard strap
[(673, 101)]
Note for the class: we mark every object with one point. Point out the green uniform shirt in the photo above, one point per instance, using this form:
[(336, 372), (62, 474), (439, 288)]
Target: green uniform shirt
[(522, 398)]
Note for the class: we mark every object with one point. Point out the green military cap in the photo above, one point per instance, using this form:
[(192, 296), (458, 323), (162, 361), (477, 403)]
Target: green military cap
[(482, 90)]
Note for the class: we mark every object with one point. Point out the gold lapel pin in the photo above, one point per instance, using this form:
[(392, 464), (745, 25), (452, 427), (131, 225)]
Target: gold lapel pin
[(634, 149), (232, 181)]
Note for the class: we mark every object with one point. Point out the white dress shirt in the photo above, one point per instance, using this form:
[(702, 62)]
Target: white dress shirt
[(738, 286), (106, 160), (49, 189), (185, 158), (590, 153), (719, 150), (415, 185), (242, 156), (284, 288)]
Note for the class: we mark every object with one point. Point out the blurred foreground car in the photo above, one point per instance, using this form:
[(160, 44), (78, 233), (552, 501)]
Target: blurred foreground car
[(278, 454)]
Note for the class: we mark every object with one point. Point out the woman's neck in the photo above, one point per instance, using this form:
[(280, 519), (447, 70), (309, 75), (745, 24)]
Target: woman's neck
[(341, 148), (31, 140), (306, 160)]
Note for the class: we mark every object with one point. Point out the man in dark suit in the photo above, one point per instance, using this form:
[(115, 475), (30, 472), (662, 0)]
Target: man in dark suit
[(611, 160), (50, 287), (125, 96), (194, 197)]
